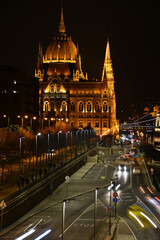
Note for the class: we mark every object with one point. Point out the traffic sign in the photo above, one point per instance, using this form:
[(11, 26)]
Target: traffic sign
[(115, 194), (109, 209), (115, 199)]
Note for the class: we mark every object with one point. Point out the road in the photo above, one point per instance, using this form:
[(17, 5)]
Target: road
[(134, 196)]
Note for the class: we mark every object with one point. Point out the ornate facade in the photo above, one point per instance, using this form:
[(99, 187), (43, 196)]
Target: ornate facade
[(66, 93)]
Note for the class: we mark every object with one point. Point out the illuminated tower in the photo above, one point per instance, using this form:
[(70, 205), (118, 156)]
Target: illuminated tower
[(108, 83)]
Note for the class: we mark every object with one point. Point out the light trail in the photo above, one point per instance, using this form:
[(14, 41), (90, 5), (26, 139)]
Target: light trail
[(142, 225), (142, 190), (26, 234), (154, 225), (118, 186), (109, 188), (149, 190), (43, 234), (157, 199)]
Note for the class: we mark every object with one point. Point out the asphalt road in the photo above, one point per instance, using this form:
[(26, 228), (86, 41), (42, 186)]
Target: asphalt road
[(133, 196)]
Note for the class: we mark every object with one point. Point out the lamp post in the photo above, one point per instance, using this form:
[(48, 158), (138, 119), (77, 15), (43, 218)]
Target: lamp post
[(58, 144), (66, 145), (38, 134), (110, 213), (76, 142), (71, 145), (20, 153)]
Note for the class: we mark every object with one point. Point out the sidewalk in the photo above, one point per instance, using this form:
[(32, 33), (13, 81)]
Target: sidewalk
[(78, 175)]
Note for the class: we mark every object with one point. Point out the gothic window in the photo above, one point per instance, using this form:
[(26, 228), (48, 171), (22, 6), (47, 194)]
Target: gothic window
[(80, 124), (64, 106), (105, 107), (97, 107), (52, 106), (88, 107), (81, 107), (46, 106), (58, 106), (104, 124), (58, 88), (72, 107), (89, 124), (96, 124), (52, 88), (72, 124)]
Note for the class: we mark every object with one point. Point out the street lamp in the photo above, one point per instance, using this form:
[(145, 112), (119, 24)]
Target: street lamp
[(71, 144), (66, 144), (20, 152), (38, 134), (77, 142), (58, 144)]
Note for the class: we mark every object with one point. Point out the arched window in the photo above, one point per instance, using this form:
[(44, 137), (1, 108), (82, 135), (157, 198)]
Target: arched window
[(81, 107), (52, 88), (46, 106), (64, 106), (72, 107), (52, 106), (97, 107), (88, 107), (105, 107), (58, 88), (58, 106)]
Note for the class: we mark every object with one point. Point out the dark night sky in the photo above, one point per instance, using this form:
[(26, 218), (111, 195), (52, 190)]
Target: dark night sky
[(133, 29)]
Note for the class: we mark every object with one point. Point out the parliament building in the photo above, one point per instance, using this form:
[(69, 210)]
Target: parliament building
[(67, 94)]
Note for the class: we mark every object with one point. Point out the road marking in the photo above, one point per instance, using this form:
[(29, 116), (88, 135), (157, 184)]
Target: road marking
[(75, 220), (128, 227)]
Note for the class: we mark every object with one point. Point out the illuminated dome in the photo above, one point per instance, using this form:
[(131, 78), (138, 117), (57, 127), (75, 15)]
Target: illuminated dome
[(61, 49)]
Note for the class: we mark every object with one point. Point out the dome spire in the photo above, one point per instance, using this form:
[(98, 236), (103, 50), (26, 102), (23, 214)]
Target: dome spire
[(61, 27)]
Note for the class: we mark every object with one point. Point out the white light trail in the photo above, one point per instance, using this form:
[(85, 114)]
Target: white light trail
[(136, 219), (154, 225), (43, 234), (26, 234), (117, 187), (109, 188)]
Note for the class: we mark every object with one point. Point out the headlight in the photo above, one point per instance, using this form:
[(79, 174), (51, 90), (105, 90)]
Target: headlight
[(119, 168)]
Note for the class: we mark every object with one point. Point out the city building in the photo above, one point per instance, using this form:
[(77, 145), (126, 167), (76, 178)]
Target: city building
[(67, 94), (18, 97)]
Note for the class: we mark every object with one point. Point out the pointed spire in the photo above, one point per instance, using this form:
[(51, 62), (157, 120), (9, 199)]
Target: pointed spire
[(107, 68), (40, 52), (108, 54), (61, 27)]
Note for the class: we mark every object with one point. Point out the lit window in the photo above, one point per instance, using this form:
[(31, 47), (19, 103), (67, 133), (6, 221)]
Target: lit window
[(88, 107), (52, 88), (104, 124), (72, 107), (105, 107), (97, 107), (64, 106), (80, 124), (88, 124), (58, 88), (52, 106), (96, 124), (80, 107), (46, 106)]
